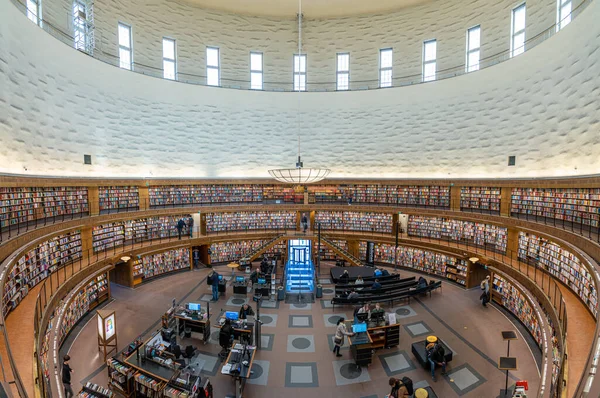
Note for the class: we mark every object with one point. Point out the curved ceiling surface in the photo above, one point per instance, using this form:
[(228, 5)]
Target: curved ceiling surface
[(310, 8)]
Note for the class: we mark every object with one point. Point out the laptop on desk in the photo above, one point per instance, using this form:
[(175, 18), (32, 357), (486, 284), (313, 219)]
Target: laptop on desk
[(360, 333)]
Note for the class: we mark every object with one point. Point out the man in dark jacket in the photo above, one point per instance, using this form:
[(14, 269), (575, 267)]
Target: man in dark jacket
[(344, 278), (246, 311), (376, 285), (214, 281), (66, 377), (180, 225), (191, 226), (436, 356)]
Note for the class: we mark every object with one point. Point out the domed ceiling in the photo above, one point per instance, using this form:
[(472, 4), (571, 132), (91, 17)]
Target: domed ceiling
[(310, 8)]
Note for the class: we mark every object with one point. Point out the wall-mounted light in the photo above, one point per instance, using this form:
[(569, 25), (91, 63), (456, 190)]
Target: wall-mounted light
[(473, 260), (125, 258)]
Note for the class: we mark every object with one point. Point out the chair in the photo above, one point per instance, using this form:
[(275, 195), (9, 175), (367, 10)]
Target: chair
[(177, 351), (225, 343), (190, 351)]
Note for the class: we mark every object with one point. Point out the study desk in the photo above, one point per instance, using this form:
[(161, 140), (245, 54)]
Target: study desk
[(241, 331), (362, 351), (384, 336), (235, 360), (198, 325)]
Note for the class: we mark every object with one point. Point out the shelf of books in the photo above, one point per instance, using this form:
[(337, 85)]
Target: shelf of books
[(575, 205), (282, 194), (507, 295), (562, 264), (484, 199), (33, 267), (225, 252), (120, 377), (112, 198), (279, 248), (403, 195), (354, 221), (484, 235), (21, 205), (94, 293), (170, 261), (147, 386), (326, 252), (43, 353), (426, 261), (184, 195), (246, 220), (91, 390), (107, 236)]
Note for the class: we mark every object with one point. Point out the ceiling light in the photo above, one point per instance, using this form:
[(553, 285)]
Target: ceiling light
[(125, 258)]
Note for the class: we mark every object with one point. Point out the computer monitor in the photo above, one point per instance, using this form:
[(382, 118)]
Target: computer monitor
[(220, 277), (239, 278), (359, 327), (377, 316), (362, 317), (231, 315), (194, 307), (262, 281)]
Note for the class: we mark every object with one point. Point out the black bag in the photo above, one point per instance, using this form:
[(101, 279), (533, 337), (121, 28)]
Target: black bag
[(407, 381)]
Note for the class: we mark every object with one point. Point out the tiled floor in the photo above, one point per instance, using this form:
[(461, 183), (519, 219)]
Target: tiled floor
[(297, 357)]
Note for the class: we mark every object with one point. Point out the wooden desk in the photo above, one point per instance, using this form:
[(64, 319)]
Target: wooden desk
[(245, 371), (201, 326), (240, 333), (362, 351)]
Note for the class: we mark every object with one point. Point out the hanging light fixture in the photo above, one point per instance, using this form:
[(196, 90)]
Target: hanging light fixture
[(299, 175)]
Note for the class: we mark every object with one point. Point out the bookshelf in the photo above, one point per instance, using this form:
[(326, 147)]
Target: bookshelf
[(246, 220), (85, 300), (406, 195), (120, 377), (106, 236), (21, 205), (183, 195), (43, 352), (449, 267), (354, 221), (111, 198), (39, 262), (326, 252), (170, 261), (147, 386), (91, 390), (482, 199), (561, 264), (507, 295), (478, 234), (223, 252), (575, 205)]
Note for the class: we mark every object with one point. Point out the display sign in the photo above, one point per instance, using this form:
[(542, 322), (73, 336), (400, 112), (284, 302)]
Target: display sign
[(370, 254), (107, 327)]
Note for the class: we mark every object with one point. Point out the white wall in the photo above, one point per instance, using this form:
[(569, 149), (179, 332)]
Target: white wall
[(57, 104)]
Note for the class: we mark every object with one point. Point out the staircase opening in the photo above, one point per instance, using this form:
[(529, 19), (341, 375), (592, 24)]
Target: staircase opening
[(299, 270)]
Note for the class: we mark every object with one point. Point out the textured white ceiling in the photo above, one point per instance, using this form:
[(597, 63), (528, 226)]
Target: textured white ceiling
[(310, 8)]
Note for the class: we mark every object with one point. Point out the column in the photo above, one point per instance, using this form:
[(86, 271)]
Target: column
[(144, 197), (512, 242), (353, 246), (93, 201), (455, 198), (86, 242), (505, 201)]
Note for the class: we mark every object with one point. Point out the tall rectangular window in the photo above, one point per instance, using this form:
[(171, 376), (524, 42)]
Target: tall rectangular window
[(169, 59), (429, 60), (80, 37), (563, 14), (517, 37), (256, 71), (300, 72), (212, 66), (473, 48), (125, 52), (33, 10), (385, 67), (343, 71)]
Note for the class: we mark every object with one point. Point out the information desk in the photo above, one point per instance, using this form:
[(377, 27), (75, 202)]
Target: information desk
[(239, 365), (199, 325), (377, 337), (241, 330)]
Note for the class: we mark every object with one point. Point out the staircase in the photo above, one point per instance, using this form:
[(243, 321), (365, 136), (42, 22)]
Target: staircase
[(260, 250), (299, 273), (341, 252)]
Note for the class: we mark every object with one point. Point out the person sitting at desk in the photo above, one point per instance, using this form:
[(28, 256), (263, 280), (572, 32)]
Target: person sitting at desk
[(246, 311), (345, 277), (376, 285), (365, 309), (377, 309), (359, 281), (353, 295)]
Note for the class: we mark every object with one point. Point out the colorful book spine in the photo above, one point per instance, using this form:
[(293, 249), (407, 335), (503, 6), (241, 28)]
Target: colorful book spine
[(480, 199), (354, 221), (245, 220)]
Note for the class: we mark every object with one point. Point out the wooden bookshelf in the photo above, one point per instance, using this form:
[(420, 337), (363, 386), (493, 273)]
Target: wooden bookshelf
[(484, 235), (91, 390), (183, 195), (35, 266), (326, 252), (162, 263), (111, 198), (354, 221), (480, 199), (449, 267), (561, 264), (43, 352), (120, 377), (21, 205), (403, 195), (147, 386), (574, 205), (246, 220), (507, 295), (233, 251)]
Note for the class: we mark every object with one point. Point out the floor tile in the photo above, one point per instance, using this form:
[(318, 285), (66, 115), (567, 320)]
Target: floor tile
[(301, 306), (300, 321), (260, 372), (301, 374), (417, 329), (331, 319), (464, 379), (206, 297), (346, 372), (404, 311), (211, 363), (396, 363), (330, 338), (269, 304), (326, 304), (301, 343), (268, 320), (237, 301), (266, 342)]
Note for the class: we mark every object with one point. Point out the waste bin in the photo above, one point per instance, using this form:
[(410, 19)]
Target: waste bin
[(319, 291), (280, 293)]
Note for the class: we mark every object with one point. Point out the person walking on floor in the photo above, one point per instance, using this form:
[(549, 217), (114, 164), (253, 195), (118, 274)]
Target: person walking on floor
[(66, 377), (190, 225), (340, 333), (180, 225), (485, 294), (214, 281)]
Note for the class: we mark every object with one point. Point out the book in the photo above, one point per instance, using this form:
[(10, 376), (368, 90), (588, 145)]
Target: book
[(354, 221), (250, 220), (111, 198), (480, 199), (168, 261)]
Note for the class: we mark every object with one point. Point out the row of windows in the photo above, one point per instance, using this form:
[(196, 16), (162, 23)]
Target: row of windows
[(429, 56)]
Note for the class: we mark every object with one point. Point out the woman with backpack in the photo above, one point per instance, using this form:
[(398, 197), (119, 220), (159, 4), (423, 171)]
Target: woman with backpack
[(400, 388)]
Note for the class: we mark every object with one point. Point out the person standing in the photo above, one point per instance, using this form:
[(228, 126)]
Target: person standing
[(485, 295), (180, 225), (340, 332), (66, 377), (304, 223), (190, 225), (214, 281)]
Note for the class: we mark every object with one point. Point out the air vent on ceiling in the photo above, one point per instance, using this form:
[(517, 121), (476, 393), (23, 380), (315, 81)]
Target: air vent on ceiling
[(87, 159), (512, 160)]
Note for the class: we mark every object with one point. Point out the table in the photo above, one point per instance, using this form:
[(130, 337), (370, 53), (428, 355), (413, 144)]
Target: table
[(239, 331), (353, 272), (245, 370), (201, 326), (362, 352), (233, 267)]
